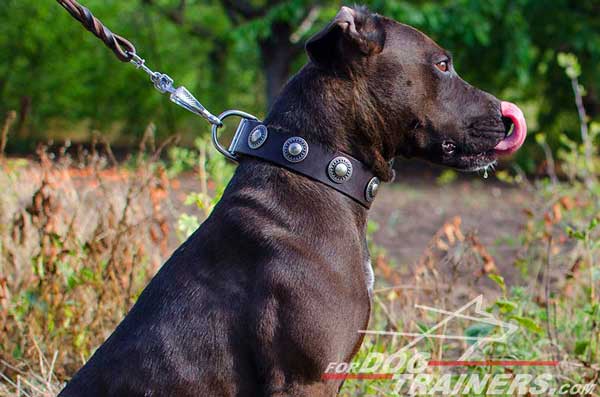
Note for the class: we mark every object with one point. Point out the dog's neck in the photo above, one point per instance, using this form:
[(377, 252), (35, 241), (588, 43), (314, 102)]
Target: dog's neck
[(320, 108), (336, 112), (284, 201), (331, 110)]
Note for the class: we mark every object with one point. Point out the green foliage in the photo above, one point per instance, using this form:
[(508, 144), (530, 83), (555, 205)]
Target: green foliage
[(478, 330), (570, 63), (214, 172), (499, 280), (73, 81), (447, 177), (515, 50)]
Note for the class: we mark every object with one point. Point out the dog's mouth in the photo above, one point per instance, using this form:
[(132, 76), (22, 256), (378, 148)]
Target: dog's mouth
[(475, 162), (512, 142), (516, 128)]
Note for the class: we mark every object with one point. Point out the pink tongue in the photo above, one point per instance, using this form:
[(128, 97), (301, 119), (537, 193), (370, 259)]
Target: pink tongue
[(513, 142)]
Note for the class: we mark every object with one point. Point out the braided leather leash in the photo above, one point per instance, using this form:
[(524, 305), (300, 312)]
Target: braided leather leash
[(362, 188), (125, 52), (122, 47)]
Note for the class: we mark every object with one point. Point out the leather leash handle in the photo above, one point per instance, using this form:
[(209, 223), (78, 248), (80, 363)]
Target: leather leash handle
[(122, 47)]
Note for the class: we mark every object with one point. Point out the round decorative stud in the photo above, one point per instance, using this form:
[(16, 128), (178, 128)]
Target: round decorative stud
[(258, 136), (372, 189), (295, 149), (340, 169)]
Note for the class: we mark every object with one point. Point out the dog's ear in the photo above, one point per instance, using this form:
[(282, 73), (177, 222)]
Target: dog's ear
[(352, 33)]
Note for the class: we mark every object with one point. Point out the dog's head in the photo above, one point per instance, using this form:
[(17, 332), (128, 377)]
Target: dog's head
[(422, 106)]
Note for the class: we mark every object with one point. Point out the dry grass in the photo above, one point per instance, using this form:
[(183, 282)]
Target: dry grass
[(80, 237), (78, 242), (557, 311), (37, 379)]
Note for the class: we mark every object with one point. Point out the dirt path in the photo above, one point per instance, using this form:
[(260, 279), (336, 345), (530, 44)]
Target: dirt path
[(410, 212)]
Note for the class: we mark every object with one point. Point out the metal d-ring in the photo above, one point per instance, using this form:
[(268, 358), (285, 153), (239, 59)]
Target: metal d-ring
[(215, 128)]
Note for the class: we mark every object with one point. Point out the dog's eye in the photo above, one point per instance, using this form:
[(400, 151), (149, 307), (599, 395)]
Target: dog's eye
[(448, 147), (442, 66)]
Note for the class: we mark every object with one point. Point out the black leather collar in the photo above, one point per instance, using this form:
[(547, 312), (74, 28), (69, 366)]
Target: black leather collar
[(337, 170)]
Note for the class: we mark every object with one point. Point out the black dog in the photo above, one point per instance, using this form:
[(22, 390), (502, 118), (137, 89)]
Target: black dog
[(275, 284)]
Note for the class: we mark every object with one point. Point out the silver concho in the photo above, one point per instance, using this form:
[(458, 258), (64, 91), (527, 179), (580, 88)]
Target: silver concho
[(295, 149), (258, 136), (340, 169), (372, 189)]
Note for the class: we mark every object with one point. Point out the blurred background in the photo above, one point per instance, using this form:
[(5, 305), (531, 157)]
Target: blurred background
[(102, 177), (238, 53)]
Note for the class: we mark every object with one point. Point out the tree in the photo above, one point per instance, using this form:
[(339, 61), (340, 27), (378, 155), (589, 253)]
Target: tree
[(279, 39), (238, 54)]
